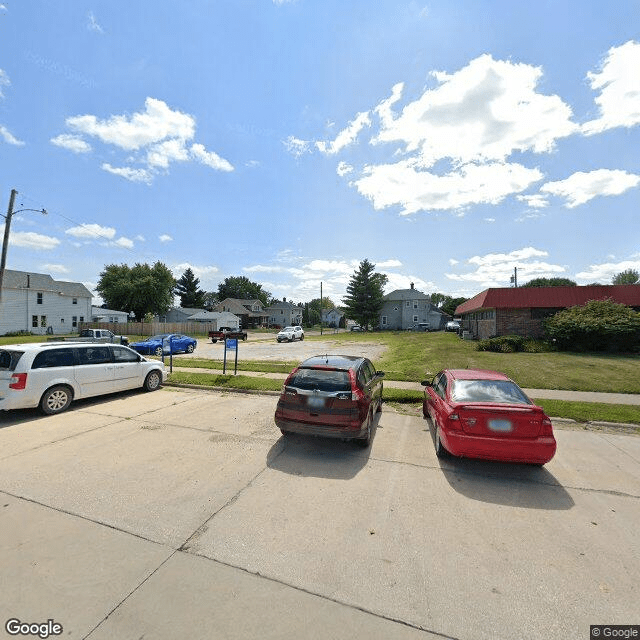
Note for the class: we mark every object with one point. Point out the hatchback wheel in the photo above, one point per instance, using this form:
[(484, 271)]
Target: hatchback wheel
[(56, 399), (152, 381)]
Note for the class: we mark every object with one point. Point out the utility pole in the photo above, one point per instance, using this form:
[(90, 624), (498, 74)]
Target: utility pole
[(321, 307), (5, 241), (514, 277)]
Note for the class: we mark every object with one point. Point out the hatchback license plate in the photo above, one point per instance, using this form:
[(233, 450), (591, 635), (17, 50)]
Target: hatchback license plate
[(315, 402), (500, 425)]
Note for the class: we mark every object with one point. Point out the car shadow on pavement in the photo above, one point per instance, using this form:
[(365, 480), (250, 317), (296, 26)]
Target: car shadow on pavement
[(316, 457), (509, 484)]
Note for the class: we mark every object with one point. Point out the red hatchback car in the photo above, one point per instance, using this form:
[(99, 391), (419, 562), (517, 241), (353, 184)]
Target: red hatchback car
[(332, 396), (485, 414)]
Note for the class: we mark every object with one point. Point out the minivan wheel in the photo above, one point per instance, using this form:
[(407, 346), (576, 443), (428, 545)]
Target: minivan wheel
[(56, 400), (152, 381)]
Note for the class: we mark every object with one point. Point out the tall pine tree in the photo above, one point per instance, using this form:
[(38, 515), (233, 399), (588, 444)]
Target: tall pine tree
[(188, 292), (365, 295)]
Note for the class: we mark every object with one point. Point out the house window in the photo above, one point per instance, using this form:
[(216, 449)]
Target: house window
[(61, 320), (43, 321), (415, 304), (74, 301), (34, 321), (74, 321), (395, 308), (408, 303), (415, 318), (383, 320), (39, 297), (81, 318)]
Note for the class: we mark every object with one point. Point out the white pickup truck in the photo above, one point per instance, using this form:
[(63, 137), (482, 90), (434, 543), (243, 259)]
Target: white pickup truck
[(96, 335)]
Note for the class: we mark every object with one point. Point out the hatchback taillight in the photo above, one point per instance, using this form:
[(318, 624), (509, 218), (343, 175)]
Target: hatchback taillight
[(18, 381)]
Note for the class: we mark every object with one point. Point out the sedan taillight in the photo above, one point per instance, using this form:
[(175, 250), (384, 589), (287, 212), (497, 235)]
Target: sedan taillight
[(18, 381), (547, 427)]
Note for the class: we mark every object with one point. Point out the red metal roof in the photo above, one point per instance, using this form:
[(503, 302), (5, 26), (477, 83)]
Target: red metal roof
[(550, 297)]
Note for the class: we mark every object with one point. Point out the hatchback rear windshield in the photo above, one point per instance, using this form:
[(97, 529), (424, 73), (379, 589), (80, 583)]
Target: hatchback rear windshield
[(501, 391), (9, 359), (321, 379)]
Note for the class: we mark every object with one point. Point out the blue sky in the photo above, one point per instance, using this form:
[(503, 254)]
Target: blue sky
[(447, 142)]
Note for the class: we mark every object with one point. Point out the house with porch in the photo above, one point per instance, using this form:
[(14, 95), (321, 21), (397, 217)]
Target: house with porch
[(251, 312), (521, 311), (37, 303)]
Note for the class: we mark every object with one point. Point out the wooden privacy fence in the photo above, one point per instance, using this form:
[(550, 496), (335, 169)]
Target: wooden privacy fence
[(152, 328)]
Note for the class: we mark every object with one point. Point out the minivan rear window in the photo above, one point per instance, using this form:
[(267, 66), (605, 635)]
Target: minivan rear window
[(9, 359), (321, 379)]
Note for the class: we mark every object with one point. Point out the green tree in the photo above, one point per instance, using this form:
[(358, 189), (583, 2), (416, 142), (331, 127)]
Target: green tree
[(599, 325), (365, 294), (451, 304), (549, 282), (438, 299), (630, 276), (210, 299), (142, 288), (243, 288), (188, 292)]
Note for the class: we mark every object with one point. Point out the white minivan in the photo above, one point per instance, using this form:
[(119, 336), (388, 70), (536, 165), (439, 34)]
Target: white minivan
[(50, 374)]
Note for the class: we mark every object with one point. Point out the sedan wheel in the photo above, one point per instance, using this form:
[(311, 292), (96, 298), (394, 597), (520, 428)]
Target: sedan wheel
[(441, 452), (55, 400), (158, 351), (190, 348)]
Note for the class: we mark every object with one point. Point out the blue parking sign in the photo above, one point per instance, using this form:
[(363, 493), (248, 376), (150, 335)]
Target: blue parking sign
[(232, 344)]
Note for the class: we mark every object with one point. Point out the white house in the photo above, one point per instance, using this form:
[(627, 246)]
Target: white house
[(100, 314), (37, 303), (284, 313)]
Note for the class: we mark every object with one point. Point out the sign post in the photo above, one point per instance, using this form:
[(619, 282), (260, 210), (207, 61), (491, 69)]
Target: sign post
[(232, 345)]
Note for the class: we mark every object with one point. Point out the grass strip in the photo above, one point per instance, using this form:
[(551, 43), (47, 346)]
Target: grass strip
[(226, 381), (262, 366), (590, 411)]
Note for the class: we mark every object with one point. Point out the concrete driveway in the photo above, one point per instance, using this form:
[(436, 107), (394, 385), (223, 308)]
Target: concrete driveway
[(185, 514)]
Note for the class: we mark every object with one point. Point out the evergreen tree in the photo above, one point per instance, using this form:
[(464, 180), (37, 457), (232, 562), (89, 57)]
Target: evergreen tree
[(188, 292), (365, 295)]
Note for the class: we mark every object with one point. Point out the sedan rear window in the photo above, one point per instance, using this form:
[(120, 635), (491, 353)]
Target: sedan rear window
[(500, 391), (9, 359), (321, 379)]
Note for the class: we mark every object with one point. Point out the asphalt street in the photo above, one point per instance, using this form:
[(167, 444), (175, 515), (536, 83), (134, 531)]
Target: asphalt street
[(185, 514)]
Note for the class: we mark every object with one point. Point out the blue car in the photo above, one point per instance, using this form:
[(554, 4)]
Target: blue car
[(153, 346)]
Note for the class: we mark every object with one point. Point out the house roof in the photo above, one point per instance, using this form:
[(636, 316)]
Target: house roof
[(211, 315), (43, 282), (101, 310), (550, 297), (237, 306), (284, 305), (406, 294)]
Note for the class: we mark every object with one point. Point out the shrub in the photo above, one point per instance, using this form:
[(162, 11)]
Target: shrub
[(599, 325), (513, 344), (21, 332)]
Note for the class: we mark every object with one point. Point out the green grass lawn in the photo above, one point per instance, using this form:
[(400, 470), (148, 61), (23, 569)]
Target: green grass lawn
[(417, 356)]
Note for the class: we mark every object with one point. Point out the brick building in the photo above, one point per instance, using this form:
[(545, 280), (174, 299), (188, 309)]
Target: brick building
[(501, 312)]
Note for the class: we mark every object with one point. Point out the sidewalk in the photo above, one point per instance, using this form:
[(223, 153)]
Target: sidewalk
[(545, 394)]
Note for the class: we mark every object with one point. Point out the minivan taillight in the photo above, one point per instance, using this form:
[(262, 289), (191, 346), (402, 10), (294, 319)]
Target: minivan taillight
[(18, 381)]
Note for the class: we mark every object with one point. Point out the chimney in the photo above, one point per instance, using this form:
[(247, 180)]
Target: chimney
[(412, 285), (284, 299)]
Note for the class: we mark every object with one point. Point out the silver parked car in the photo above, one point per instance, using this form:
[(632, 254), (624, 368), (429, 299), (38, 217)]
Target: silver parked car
[(50, 375)]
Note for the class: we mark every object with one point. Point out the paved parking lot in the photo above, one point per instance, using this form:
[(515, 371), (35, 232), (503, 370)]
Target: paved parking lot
[(184, 513)]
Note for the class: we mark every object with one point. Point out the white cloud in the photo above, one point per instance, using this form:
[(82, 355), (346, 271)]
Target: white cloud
[(165, 238), (93, 25), (71, 142), (582, 187), (129, 173), (405, 184), (9, 138), (31, 240), (123, 242), (343, 168), (92, 232), (4, 81), (210, 158), (54, 268), (536, 201), (388, 264), (347, 136), (453, 262), (295, 146), (157, 136), (603, 273), (496, 269), (619, 84), (156, 123), (485, 111)]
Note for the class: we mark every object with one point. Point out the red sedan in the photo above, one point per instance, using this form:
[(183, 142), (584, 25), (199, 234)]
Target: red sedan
[(485, 414)]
